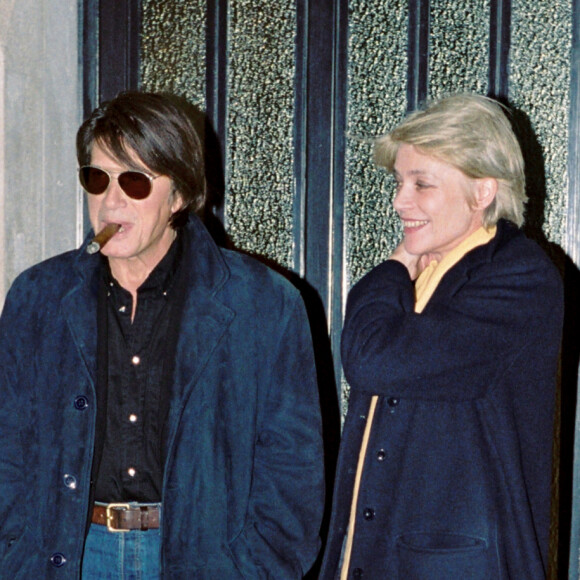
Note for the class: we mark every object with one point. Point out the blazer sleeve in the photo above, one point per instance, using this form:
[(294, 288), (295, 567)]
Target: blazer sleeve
[(281, 539), (469, 332)]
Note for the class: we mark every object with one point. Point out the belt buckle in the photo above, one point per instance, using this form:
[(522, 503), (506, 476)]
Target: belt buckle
[(110, 516)]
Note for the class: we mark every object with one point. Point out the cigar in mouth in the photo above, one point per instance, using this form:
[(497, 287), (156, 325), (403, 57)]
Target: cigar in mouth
[(102, 238)]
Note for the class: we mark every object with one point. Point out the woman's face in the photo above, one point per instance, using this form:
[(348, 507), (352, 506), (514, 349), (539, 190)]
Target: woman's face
[(433, 202)]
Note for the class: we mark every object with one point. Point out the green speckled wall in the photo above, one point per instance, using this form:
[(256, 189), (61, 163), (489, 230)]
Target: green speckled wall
[(260, 200), (260, 88), (259, 205), (173, 48), (377, 76), (540, 87)]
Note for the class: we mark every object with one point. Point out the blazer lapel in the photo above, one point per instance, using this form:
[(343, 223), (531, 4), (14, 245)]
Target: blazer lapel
[(459, 274)]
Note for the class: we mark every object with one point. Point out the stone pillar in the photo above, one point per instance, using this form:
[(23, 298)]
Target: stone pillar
[(40, 96)]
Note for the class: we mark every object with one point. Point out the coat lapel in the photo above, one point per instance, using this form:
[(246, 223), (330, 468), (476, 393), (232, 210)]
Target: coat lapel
[(79, 307), (205, 318), (459, 274)]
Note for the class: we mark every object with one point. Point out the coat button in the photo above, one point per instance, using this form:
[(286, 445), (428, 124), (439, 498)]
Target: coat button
[(70, 481), (393, 401), (381, 455), (369, 514), (357, 573), (58, 560), (81, 403)]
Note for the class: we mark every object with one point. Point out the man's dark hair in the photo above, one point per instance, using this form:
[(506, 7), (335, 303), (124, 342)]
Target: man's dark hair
[(158, 128)]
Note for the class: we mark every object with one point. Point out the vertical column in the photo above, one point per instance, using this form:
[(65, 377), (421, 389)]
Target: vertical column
[(40, 115), (418, 49), (118, 47), (499, 44), (216, 77), (570, 527), (319, 136)]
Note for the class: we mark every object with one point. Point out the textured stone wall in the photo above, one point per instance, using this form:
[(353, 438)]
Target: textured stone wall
[(40, 202)]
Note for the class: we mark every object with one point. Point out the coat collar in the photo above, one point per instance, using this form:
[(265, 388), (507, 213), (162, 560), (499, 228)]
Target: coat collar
[(459, 274)]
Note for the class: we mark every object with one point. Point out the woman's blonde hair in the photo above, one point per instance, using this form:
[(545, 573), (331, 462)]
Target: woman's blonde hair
[(473, 134)]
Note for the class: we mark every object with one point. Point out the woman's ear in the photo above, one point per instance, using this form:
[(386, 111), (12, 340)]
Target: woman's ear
[(485, 192)]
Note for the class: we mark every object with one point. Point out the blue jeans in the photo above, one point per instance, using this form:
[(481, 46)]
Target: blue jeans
[(133, 555)]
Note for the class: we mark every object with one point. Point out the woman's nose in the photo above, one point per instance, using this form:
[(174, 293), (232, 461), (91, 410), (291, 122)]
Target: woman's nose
[(403, 198)]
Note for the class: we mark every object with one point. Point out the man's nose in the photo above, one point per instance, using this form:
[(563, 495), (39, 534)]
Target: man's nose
[(114, 194)]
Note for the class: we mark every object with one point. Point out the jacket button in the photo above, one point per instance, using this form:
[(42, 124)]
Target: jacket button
[(70, 481), (81, 403), (357, 573), (381, 455), (58, 560), (393, 401), (369, 514)]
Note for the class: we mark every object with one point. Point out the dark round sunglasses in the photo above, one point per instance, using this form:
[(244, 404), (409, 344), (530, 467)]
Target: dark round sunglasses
[(136, 184)]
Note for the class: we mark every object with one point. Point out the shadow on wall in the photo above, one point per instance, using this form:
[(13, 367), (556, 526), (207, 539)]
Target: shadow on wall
[(327, 385), (570, 357)]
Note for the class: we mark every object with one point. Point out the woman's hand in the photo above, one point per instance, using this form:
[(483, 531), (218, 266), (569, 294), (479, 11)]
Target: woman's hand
[(414, 263)]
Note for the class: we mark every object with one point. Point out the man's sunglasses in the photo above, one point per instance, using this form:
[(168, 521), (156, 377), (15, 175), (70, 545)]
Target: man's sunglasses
[(136, 184)]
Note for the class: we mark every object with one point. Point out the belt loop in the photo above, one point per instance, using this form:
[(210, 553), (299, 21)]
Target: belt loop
[(144, 518)]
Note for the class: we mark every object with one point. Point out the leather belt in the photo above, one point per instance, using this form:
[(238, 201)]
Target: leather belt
[(123, 517)]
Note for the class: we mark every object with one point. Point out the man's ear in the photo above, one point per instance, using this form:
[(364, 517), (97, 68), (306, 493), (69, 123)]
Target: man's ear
[(177, 201), (485, 192)]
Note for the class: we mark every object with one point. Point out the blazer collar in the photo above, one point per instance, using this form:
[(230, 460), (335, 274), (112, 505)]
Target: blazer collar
[(459, 274)]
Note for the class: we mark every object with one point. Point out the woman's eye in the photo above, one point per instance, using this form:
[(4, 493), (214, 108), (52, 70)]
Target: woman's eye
[(421, 185)]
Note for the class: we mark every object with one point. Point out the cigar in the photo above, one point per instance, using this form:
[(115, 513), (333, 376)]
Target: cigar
[(102, 238)]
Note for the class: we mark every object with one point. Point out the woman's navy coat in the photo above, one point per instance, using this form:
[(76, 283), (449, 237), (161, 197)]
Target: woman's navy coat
[(243, 485), (456, 481)]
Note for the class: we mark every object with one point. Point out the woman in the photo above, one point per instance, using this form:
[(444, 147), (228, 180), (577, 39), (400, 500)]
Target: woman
[(450, 348)]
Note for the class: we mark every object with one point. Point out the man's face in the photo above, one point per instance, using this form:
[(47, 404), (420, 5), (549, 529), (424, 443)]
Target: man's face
[(145, 234)]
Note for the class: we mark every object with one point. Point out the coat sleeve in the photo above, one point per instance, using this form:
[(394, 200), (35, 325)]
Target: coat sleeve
[(281, 538), (14, 533), (461, 341)]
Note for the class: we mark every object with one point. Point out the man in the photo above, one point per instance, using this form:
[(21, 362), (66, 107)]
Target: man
[(159, 407)]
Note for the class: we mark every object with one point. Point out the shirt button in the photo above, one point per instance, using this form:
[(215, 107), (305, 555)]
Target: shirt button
[(381, 455), (133, 418), (131, 471), (70, 481), (135, 360), (369, 514), (357, 573), (58, 560), (393, 401), (81, 403)]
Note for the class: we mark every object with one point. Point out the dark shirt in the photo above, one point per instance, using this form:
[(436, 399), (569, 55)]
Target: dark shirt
[(139, 372)]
